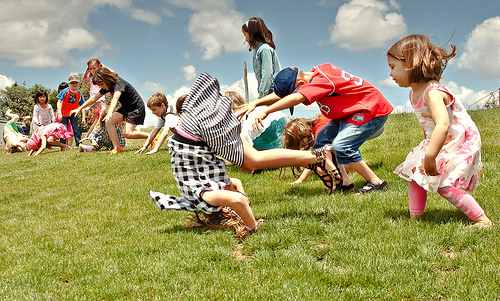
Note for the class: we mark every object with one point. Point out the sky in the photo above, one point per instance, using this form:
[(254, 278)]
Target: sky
[(163, 45)]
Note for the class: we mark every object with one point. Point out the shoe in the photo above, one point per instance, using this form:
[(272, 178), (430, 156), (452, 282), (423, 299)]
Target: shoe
[(330, 177), (370, 186), (116, 151), (345, 188)]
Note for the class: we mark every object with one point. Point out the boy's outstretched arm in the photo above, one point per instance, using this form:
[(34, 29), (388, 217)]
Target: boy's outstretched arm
[(284, 103)]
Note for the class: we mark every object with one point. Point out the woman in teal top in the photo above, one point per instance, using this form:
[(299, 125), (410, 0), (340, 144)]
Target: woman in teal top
[(265, 60)]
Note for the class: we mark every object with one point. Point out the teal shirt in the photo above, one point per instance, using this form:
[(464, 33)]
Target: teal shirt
[(266, 66)]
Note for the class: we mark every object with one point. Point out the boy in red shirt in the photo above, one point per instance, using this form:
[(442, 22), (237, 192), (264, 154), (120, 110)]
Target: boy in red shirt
[(356, 108), (70, 99)]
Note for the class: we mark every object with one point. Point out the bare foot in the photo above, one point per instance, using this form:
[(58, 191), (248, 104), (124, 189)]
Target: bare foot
[(65, 147)]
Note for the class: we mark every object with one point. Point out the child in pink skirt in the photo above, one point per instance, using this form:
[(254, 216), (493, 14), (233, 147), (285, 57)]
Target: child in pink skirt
[(48, 135)]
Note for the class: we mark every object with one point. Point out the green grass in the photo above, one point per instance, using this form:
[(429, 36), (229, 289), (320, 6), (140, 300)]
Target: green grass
[(81, 226)]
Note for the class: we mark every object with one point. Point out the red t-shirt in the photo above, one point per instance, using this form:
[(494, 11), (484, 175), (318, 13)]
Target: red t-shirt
[(69, 101), (344, 97)]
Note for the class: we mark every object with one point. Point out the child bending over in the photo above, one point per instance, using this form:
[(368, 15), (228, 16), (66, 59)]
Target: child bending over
[(167, 120), (46, 136)]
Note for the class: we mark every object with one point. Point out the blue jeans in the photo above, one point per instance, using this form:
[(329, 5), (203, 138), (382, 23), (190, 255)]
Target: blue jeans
[(346, 138), (74, 125)]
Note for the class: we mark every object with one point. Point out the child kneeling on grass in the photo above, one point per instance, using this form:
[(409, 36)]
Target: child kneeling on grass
[(99, 135)]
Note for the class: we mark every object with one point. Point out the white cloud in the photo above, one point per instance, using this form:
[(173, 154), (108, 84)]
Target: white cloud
[(152, 87), (214, 26), (366, 24), (45, 34), (482, 50), (388, 83), (465, 95), (6, 81), (145, 16), (189, 72)]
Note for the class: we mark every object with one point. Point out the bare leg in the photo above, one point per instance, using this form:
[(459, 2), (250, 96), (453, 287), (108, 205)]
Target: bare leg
[(130, 132), (362, 168), (51, 141), (234, 200), (110, 126), (278, 157)]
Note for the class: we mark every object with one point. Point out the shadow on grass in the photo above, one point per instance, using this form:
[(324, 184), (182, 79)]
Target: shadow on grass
[(432, 216)]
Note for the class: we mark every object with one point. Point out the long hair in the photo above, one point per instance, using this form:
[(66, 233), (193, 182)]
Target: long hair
[(299, 134), (105, 75), (257, 33), (423, 60), (223, 218)]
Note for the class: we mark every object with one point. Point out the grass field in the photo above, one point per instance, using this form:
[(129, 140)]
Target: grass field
[(81, 226)]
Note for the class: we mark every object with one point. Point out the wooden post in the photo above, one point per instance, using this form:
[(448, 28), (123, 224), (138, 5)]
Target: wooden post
[(245, 80)]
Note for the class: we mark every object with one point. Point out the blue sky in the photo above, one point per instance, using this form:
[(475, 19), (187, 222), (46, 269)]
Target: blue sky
[(162, 45)]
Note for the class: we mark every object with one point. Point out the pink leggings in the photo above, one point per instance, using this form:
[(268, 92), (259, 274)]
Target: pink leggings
[(459, 198)]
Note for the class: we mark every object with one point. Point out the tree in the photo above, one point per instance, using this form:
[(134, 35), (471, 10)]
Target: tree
[(20, 99)]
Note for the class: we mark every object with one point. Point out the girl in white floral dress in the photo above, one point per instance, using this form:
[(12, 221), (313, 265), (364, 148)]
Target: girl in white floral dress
[(448, 160)]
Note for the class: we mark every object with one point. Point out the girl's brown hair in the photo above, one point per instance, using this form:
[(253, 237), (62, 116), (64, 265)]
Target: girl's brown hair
[(105, 75), (257, 33), (423, 60), (299, 134), (92, 62)]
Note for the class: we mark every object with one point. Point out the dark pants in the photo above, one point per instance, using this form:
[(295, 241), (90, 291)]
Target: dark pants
[(74, 125)]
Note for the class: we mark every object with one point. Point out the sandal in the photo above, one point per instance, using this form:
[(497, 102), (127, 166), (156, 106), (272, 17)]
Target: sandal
[(332, 176), (345, 188), (370, 186)]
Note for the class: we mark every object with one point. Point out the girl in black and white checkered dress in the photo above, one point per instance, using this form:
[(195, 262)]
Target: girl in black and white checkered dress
[(208, 127)]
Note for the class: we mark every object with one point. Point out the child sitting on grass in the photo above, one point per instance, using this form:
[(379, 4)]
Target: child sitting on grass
[(46, 136), (15, 137), (99, 136), (167, 120)]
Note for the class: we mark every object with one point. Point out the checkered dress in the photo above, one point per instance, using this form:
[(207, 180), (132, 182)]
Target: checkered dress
[(207, 115), (196, 169)]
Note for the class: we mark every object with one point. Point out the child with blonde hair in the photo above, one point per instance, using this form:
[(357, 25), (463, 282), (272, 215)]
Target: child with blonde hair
[(266, 137), (15, 137), (448, 160)]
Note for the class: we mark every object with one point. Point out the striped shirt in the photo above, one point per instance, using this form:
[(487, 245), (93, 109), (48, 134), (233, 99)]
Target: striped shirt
[(207, 115)]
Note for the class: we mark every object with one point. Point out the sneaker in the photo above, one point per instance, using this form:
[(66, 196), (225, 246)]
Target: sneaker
[(116, 151), (370, 186)]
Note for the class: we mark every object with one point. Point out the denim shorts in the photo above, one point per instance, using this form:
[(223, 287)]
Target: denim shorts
[(346, 138)]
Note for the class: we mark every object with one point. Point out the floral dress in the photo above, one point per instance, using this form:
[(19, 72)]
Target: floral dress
[(459, 160)]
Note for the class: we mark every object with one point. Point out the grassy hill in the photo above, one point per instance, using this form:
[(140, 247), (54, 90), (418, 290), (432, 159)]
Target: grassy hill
[(81, 226)]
